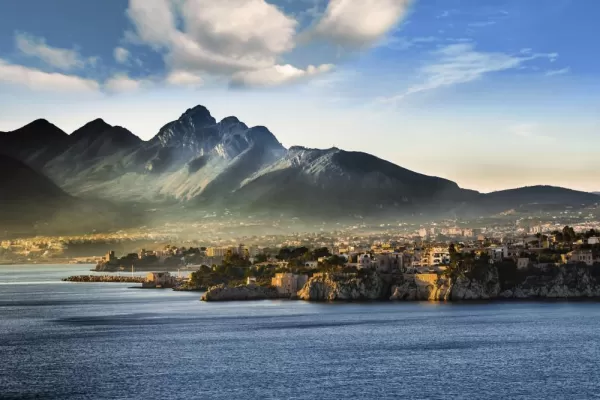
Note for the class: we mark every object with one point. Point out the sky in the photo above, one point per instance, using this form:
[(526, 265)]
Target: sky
[(492, 94)]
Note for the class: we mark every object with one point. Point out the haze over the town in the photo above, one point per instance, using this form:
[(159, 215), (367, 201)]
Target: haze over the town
[(490, 94)]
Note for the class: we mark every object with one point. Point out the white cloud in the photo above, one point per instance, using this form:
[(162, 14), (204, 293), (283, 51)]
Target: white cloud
[(461, 63), (65, 59), (241, 40), (184, 78), (218, 37), (401, 43), (277, 75), (562, 71), (121, 55), (39, 80), (528, 130), (154, 21), (120, 83), (355, 23)]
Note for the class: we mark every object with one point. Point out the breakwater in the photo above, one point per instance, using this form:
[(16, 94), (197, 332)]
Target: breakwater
[(105, 278)]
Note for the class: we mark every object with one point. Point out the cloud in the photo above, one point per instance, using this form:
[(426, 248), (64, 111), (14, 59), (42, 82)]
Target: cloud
[(401, 43), (121, 83), (64, 59), (39, 80), (216, 37), (554, 72), (461, 63), (121, 55), (154, 21), (184, 78), (357, 24), (277, 75), (482, 24), (245, 41), (528, 130)]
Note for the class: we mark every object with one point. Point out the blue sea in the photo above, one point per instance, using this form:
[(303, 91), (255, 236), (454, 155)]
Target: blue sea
[(61, 340)]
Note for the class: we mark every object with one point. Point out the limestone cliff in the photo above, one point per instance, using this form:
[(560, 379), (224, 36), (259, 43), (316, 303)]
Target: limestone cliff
[(243, 292), (568, 281), (343, 287), (446, 288)]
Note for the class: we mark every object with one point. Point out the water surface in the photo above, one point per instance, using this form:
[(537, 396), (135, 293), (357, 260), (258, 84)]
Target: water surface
[(101, 340)]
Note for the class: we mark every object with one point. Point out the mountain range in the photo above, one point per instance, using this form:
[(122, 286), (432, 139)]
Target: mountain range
[(208, 164)]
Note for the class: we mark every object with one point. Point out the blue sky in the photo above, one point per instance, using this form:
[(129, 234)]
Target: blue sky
[(489, 93)]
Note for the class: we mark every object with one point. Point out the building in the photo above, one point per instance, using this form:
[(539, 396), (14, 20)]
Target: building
[(582, 256), (364, 261), (593, 240), (522, 263), (288, 283), (216, 251), (251, 280), (389, 262), (159, 280), (110, 257)]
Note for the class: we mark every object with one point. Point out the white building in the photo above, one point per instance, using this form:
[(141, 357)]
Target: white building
[(582, 256)]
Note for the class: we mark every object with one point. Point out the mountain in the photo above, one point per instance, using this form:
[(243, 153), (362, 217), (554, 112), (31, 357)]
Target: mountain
[(35, 143), (531, 198), (335, 181), (30, 203), (27, 196), (192, 157), (200, 162), (596, 193), (94, 150)]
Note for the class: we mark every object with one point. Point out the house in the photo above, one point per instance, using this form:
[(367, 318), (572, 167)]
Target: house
[(582, 256), (288, 283), (364, 261), (495, 254), (522, 263), (388, 262), (251, 280), (159, 280), (593, 240), (311, 264)]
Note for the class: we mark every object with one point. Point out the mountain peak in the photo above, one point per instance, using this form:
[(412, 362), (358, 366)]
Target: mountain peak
[(231, 120), (39, 123), (262, 135), (91, 129), (196, 112), (40, 128)]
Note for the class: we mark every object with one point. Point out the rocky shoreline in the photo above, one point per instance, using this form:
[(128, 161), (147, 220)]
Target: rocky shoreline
[(237, 293), (567, 282), (105, 279)]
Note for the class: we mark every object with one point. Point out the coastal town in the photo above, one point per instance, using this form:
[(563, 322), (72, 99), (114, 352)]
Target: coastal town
[(421, 258), (286, 255)]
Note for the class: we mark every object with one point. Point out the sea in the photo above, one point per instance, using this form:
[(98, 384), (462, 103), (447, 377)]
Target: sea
[(64, 340)]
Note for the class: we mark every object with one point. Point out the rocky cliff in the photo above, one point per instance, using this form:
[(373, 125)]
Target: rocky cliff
[(244, 292), (343, 287), (568, 281), (447, 288)]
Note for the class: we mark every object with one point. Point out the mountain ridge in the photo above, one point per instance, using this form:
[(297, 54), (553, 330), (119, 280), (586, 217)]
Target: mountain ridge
[(203, 162)]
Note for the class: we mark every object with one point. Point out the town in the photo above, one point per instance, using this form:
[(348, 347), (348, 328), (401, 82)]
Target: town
[(420, 257)]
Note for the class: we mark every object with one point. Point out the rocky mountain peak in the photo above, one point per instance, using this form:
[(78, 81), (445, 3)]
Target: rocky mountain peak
[(262, 136), (90, 130), (198, 114)]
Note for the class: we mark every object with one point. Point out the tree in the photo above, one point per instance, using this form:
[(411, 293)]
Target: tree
[(260, 258)]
